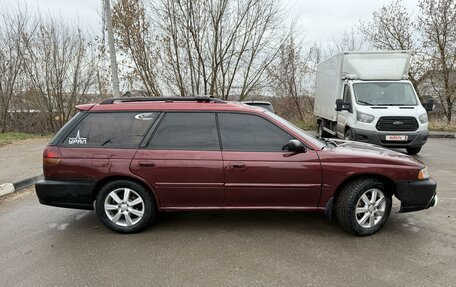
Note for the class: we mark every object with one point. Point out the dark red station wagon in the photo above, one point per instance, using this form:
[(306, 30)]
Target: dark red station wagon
[(131, 158)]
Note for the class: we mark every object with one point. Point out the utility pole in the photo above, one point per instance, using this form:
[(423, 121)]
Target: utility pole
[(112, 50)]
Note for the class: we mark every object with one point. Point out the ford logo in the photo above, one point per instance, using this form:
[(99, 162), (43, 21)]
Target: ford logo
[(398, 123)]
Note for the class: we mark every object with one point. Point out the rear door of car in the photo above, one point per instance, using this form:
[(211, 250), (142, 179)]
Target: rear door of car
[(258, 172), (183, 161), (101, 144)]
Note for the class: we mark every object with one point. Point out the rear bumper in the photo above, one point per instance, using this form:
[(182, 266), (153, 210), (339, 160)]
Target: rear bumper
[(415, 139), (416, 194), (70, 193)]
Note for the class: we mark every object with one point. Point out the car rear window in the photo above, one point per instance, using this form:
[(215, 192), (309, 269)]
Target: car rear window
[(120, 129)]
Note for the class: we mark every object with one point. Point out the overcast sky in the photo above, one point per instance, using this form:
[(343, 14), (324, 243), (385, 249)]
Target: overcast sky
[(319, 20)]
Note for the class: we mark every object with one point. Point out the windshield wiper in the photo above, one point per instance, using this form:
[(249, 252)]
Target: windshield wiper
[(364, 102), (328, 142)]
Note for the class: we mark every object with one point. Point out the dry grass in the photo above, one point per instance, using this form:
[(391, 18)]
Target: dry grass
[(9, 138), (442, 126)]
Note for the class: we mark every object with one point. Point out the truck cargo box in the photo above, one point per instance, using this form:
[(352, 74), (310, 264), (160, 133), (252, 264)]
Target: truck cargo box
[(378, 65)]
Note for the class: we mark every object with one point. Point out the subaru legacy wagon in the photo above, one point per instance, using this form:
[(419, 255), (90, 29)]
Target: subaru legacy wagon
[(131, 158)]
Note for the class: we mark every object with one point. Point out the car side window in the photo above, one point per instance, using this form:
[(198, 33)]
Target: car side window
[(120, 129), (244, 132), (186, 131)]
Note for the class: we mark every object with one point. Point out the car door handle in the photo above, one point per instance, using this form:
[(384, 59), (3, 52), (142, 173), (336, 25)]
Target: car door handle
[(237, 165), (146, 164)]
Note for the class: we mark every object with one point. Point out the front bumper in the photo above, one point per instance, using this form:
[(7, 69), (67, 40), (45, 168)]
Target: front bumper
[(71, 193), (416, 194), (415, 139)]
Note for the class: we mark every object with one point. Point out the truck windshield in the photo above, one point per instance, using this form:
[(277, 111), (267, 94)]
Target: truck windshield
[(385, 94)]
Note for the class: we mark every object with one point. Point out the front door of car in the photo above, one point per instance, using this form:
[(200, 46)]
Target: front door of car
[(259, 172), (342, 116), (183, 161)]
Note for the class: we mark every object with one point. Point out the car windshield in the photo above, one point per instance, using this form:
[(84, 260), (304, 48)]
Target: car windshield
[(385, 94), (310, 138)]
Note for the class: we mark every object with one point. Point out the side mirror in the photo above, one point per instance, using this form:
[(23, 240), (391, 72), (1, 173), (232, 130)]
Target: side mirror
[(296, 146), (429, 106), (341, 106)]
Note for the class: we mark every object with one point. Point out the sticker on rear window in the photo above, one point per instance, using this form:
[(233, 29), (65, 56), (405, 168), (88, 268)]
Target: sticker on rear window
[(77, 140), (145, 116)]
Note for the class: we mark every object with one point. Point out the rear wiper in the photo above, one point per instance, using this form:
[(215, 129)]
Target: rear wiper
[(106, 142)]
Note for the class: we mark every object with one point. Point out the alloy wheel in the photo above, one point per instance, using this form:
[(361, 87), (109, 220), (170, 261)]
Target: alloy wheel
[(124, 207), (370, 208)]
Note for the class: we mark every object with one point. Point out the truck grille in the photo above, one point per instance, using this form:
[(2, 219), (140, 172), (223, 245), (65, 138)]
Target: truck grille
[(404, 124)]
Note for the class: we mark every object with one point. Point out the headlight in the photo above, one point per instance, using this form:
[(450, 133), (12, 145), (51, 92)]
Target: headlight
[(423, 174), (365, 118), (423, 118)]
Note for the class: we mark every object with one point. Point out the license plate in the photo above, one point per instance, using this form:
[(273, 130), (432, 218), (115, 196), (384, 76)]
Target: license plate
[(396, 138)]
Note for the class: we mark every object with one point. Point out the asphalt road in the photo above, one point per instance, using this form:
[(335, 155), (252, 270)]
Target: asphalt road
[(46, 246)]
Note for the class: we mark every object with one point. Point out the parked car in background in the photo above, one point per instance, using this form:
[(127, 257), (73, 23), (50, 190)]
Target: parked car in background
[(262, 104), (373, 98), (132, 158)]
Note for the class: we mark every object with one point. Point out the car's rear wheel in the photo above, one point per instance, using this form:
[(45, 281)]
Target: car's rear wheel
[(413, 150), (363, 206), (125, 206)]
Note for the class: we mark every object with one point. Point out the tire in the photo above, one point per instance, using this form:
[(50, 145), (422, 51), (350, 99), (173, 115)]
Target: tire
[(348, 135), (413, 150), (352, 210), (322, 132), (125, 206)]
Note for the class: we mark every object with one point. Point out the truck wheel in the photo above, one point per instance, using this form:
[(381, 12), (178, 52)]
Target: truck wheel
[(322, 132), (413, 150), (125, 206), (348, 135), (363, 206)]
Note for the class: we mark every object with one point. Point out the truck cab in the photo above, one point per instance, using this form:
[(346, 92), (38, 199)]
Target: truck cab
[(374, 100)]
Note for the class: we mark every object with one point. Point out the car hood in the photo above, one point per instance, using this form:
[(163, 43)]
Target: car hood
[(369, 153)]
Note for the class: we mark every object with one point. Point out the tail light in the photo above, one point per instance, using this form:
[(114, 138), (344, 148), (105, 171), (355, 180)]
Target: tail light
[(51, 156)]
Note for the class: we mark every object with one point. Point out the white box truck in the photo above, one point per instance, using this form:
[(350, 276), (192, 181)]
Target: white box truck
[(366, 96)]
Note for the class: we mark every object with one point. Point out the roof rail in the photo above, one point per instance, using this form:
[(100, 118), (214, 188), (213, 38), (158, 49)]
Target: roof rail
[(163, 99)]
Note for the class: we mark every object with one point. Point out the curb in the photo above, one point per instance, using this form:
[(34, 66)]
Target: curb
[(8, 188), (442, 136)]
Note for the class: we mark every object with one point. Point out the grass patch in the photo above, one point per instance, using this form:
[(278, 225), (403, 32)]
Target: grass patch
[(442, 126), (307, 125), (9, 138)]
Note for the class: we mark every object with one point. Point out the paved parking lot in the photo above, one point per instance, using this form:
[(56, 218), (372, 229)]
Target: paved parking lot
[(44, 246)]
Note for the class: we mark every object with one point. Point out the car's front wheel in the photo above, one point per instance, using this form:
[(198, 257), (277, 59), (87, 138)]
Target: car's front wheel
[(363, 206), (413, 150), (125, 206), (321, 132)]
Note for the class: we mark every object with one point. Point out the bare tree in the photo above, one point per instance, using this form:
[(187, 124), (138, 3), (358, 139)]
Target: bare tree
[(13, 33), (135, 38), (212, 47), (349, 40), (288, 74), (60, 68), (438, 27), (392, 28)]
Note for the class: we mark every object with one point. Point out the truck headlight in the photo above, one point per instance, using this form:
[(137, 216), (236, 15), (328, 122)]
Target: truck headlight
[(423, 174), (423, 118), (365, 118)]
